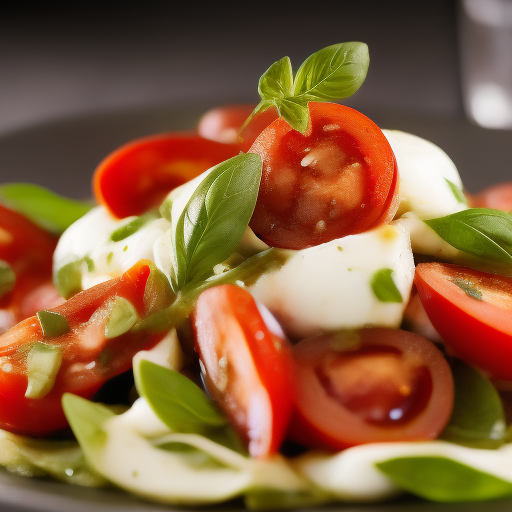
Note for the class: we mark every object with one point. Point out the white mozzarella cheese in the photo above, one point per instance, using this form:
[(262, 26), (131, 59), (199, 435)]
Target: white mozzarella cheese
[(329, 287), (425, 171)]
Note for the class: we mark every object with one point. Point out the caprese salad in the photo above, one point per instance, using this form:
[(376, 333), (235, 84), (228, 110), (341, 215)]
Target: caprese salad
[(289, 305)]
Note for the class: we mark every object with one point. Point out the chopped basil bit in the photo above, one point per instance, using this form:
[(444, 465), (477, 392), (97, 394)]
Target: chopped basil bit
[(7, 278), (90, 263), (43, 364), (68, 279), (384, 287), (456, 191), (110, 255), (158, 293), (132, 227), (165, 209), (52, 324), (122, 318), (469, 288), (125, 248)]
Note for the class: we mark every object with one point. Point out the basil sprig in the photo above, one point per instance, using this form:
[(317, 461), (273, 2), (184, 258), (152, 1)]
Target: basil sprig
[(333, 73), (445, 480), (48, 210), (215, 218), (480, 232)]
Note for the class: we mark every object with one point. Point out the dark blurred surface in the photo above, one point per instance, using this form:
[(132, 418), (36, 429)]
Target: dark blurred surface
[(62, 62)]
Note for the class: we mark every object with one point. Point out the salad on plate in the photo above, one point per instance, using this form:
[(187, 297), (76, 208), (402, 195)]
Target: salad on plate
[(288, 305)]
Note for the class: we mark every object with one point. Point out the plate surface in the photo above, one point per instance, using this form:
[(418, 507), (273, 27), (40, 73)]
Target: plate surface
[(62, 155)]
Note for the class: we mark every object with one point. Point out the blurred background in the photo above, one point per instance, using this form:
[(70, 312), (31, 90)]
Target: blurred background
[(76, 82)]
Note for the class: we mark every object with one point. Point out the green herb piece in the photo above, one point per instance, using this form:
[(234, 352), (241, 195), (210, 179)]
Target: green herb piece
[(215, 218), (478, 419), (444, 480), (457, 192), (68, 279), (166, 209), (110, 255), (469, 288), (125, 248), (384, 287), (176, 400), (122, 318), (333, 73), (7, 278), (478, 231), (90, 263), (131, 227), (86, 419), (43, 207), (158, 293), (52, 324), (43, 364)]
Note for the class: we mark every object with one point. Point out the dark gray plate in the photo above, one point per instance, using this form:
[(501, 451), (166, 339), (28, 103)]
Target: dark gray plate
[(62, 155)]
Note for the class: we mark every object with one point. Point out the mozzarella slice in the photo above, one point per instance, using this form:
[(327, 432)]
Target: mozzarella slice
[(329, 287), (425, 173)]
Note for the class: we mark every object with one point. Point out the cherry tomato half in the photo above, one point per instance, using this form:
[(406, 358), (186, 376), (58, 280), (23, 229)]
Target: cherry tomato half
[(472, 311), (222, 124), (247, 367), (137, 176), (370, 385), (337, 179), (496, 197), (89, 358)]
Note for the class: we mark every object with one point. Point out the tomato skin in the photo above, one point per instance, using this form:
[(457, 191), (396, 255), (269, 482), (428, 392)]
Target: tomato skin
[(496, 197), (339, 178), (89, 359), (255, 384), (223, 123), (351, 407), (137, 176), (478, 331)]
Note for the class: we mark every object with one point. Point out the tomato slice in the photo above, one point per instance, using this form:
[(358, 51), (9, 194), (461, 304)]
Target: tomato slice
[(367, 386), (472, 311), (137, 176), (89, 358), (222, 124), (496, 197), (246, 366), (339, 178)]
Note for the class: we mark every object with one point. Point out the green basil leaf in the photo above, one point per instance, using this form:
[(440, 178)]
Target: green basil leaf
[(46, 209), (7, 278), (444, 480), (215, 218), (176, 400), (277, 81), (131, 227), (478, 231), (295, 112), (478, 419), (43, 365), (456, 191), (333, 73), (121, 319), (52, 324), (384, 287)]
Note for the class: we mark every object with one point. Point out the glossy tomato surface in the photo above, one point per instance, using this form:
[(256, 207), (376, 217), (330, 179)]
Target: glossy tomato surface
[(246, 364), (472, 311), (137, 176), (337, 179), (89, 358), (370, 385), (222, 124)]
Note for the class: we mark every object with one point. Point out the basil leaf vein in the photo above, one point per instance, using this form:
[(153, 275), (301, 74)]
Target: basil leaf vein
[(215, 218)]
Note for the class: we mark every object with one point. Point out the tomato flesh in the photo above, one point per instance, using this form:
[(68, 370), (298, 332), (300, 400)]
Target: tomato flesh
[(337, 179), (137, 176), (472, 311), (247, 368), (371, 385), (89, 358)]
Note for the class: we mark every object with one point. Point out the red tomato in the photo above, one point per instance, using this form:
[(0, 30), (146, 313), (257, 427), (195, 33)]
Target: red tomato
[(246, 367), (496, 197), (29, 250), (89, 358), (339, 178), (370, 385), (472, 311), (222, 124), (137, 176)]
